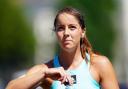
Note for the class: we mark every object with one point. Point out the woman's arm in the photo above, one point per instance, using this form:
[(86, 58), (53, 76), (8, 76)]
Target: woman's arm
[(30, 80), (36, 76), (107, 75)]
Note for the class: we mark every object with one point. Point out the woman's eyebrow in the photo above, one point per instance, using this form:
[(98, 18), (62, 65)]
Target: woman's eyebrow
[(73, 24), (59, 25), (76, 25)]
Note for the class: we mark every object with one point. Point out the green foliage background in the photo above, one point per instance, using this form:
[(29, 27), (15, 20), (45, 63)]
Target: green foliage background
[(17, 40), (100, 29)]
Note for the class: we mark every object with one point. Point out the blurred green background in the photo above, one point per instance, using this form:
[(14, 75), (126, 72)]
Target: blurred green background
[(18, 42)]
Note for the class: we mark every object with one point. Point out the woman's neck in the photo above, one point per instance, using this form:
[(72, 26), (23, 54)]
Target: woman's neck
[(70, 60)]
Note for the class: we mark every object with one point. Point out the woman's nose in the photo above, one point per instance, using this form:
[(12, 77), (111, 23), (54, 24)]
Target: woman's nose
[(66, 32)]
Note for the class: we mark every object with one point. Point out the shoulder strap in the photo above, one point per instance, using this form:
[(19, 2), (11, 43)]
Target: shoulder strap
[(56, 62), (88, 59)]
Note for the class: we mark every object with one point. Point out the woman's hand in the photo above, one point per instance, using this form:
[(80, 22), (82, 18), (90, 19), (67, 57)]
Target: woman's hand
[(59, 74)]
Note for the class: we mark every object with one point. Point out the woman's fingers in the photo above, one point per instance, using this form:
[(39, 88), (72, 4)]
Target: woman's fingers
[(59, 74), (70, 80)]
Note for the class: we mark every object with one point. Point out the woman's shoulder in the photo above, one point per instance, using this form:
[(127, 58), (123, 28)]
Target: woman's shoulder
[(101, 63), (99, 59)]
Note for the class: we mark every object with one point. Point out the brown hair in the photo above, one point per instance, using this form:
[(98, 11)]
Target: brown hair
[(84, 43)]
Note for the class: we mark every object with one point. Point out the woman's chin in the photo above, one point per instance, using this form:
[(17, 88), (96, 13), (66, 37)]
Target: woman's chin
[(68, 48)]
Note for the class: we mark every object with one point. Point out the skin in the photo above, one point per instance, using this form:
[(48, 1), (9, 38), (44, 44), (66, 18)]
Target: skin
[(69, 33)]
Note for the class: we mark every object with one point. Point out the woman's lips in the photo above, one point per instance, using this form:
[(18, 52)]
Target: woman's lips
[(67, 41)]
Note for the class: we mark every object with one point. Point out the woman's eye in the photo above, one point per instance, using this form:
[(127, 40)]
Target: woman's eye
[(72, 27), (59, 29)]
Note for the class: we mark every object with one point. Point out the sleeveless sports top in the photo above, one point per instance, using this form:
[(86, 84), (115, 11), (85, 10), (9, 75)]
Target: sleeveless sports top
[(83, 77)]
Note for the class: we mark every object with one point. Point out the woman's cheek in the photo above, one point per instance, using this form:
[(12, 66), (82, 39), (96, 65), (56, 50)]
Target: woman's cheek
[(59, 37)]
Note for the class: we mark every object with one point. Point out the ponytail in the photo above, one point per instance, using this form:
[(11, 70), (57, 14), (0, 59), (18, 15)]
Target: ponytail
[(85, 47)]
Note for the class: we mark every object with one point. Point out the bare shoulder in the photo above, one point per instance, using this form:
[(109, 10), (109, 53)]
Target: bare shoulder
[(102, 64), (100, 60), (105, 71)]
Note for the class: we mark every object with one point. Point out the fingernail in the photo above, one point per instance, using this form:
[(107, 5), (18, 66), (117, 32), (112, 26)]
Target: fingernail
[(66, 80)]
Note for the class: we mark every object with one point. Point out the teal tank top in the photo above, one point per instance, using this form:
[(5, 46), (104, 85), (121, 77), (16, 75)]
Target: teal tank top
[(84, 79)]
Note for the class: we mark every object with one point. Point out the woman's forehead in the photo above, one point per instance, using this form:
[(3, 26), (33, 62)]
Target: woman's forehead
[(66, 18)]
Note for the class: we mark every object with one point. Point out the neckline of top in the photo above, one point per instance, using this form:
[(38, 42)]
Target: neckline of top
[(57, 64)]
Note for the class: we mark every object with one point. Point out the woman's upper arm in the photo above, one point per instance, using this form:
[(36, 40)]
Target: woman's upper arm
[(107, 74)]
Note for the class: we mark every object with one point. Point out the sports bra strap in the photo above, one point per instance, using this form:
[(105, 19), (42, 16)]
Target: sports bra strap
[(56, 61), (88, 59)]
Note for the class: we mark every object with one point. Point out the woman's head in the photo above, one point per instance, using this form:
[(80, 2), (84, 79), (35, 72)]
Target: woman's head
[(69, 25), (73, 12)]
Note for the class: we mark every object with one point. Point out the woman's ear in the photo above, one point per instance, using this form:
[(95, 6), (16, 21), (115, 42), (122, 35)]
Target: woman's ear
[(83, 32)]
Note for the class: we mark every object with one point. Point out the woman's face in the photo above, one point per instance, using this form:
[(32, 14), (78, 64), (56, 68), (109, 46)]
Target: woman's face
[(68, 31)]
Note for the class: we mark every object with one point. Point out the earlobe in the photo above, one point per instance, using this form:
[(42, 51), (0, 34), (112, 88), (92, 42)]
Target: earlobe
[(83, 35), (83, 32)]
